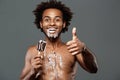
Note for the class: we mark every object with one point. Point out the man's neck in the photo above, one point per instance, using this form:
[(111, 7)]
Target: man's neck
[(53, 43)]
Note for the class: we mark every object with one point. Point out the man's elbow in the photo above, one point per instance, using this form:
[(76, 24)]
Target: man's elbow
[(94, 70), (21, 78)]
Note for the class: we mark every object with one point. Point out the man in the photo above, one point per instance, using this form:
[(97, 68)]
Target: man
[(52, 59)]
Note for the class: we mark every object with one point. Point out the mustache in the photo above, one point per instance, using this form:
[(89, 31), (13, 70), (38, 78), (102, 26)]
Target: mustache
[(52, 27)]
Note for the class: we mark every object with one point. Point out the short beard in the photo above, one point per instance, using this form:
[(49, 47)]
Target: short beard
[(52, 37)]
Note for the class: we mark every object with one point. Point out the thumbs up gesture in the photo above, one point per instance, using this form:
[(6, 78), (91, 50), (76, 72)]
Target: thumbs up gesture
[(75, 46)]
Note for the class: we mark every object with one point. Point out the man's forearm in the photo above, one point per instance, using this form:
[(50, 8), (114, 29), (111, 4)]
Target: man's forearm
[(89, 60), (29, 76)]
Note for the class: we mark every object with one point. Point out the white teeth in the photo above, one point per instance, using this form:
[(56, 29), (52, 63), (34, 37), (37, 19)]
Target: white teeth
[(51, 30)]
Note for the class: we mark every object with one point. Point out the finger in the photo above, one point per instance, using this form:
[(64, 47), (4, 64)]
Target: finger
[(37, 63), (74, 33), (72, 46), (41, 57), (76, 52), (37, 56), (73, 50), (37, 67), (38, 52), (70, 42)]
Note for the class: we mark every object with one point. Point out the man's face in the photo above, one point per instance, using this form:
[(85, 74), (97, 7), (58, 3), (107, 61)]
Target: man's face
[(52, 23)]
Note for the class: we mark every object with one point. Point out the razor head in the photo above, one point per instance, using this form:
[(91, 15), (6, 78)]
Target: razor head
[(41, 45)]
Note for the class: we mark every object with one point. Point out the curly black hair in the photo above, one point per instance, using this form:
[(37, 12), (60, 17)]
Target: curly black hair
[(38, 12)]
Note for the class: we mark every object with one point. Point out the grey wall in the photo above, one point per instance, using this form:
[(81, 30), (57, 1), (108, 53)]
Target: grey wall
[(97, 22)]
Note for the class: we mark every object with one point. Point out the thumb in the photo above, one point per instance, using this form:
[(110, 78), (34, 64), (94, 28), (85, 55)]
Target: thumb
[(74, 33)]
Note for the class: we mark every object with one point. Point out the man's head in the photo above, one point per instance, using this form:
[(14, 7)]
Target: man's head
[(66, 13), (52, 23)]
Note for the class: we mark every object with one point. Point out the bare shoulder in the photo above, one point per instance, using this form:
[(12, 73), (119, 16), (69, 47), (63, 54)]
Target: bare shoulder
[(32, 50), (64, 45)]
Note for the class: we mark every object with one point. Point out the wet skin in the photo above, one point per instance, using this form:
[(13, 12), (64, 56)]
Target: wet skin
[(59, 59), (56, 65)]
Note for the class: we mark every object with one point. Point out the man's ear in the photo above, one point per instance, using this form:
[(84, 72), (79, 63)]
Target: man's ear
[(40, 24), (64, 24)]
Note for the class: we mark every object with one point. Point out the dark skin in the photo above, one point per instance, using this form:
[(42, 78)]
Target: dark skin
[(59, 59)]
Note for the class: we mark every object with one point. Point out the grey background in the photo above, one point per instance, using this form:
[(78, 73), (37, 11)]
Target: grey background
[(97, 22)]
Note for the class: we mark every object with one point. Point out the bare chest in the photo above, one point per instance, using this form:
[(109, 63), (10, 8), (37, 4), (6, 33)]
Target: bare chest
[(59, 60), (57, 64)]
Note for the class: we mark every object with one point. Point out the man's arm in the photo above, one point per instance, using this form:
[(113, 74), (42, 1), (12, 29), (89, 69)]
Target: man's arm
[(28, 72), (87, 60), (84, 56)]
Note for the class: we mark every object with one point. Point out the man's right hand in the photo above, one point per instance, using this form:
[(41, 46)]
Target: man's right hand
[(36, 63)]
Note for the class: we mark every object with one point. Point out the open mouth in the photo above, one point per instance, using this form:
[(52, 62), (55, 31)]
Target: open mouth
[(51, 30)]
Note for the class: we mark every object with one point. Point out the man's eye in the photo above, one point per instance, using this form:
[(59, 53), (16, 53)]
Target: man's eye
[(57, 20), (46, 20)]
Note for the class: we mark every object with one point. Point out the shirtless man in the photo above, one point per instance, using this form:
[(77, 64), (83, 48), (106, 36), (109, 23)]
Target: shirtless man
[(57, 61)]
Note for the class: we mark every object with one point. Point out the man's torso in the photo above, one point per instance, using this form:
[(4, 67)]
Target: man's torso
[(58, 64)]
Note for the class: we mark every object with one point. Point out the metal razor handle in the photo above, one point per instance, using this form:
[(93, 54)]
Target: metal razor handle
[(41, 45)]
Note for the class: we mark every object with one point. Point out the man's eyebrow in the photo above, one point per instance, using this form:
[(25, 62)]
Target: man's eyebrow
[(50, 17), (58, 16), (46, 17)]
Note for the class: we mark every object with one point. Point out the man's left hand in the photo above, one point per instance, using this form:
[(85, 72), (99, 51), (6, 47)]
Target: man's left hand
[(75, 46)]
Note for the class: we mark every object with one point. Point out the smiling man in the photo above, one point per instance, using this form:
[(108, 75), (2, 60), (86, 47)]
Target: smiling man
[(53, 59)]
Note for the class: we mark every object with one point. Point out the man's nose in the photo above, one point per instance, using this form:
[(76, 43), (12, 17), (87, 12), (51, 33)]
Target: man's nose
[(52, 22)]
